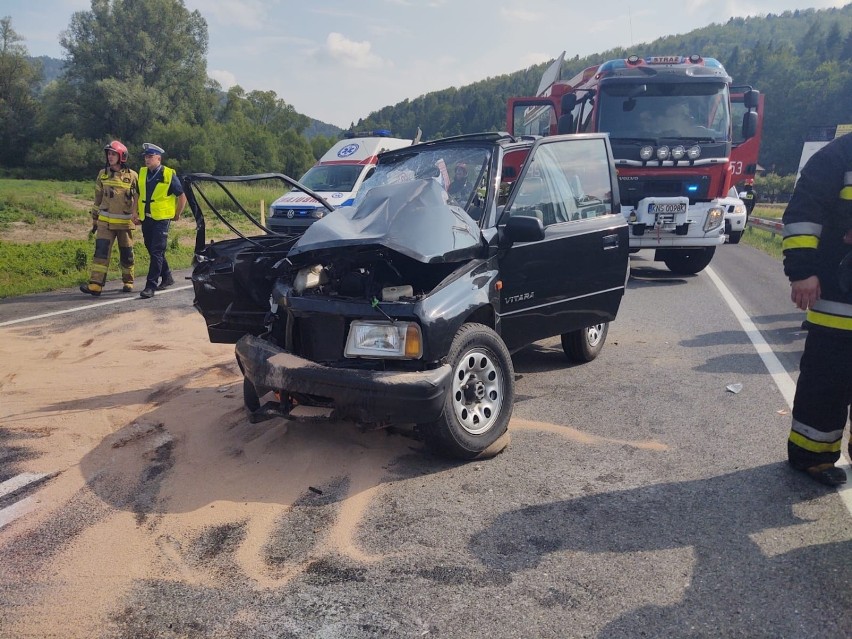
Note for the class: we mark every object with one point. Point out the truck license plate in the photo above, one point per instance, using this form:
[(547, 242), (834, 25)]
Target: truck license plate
[(667, 208)]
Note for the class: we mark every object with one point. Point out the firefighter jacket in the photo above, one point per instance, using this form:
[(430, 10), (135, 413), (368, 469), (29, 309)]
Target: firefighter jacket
[(818, 233), (114, 192), (156, 193)]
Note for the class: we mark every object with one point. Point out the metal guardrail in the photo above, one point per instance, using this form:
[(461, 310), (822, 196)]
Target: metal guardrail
[(766, 224)]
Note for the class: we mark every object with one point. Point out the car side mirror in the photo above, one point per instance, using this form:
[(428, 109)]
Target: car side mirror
[(523, 228)]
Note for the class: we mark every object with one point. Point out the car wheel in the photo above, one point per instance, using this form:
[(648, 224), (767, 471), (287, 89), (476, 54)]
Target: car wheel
[(689, 261), (250, 397), (480, 400), (734, 237), (585, 345)]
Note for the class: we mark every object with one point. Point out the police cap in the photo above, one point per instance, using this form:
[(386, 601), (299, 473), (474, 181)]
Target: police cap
[(151, 149)]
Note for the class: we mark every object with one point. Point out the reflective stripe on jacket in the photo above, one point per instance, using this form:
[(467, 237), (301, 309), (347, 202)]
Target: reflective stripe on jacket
[(817, 227), (114, 191), (163, 205)]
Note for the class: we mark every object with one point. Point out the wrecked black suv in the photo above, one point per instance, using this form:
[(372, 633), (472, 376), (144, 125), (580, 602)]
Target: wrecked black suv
[(405, 307)]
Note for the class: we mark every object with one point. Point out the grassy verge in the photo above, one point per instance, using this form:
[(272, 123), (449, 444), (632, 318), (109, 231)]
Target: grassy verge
[(39, 201), (769, 243), (57, 215)]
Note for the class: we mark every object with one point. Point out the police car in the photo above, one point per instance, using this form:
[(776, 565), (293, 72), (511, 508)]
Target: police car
[(336, 177)]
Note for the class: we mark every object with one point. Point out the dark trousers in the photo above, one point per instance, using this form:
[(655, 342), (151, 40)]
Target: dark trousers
[(156, 236), (821, 407)]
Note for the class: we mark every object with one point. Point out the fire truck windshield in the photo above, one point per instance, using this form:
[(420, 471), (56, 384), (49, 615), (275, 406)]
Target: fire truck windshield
[(698, 112)]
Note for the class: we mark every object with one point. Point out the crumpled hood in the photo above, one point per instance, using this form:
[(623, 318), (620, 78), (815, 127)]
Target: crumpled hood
[(411, 218)]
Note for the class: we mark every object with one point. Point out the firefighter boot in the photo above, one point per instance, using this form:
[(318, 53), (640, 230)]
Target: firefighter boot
[(127, 288), (91, 289)]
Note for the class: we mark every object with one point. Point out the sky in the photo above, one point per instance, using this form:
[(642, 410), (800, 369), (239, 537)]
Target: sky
[(339, 60)]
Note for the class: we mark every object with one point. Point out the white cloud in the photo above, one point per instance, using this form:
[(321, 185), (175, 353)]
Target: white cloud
[(357, 55), (225, 78)]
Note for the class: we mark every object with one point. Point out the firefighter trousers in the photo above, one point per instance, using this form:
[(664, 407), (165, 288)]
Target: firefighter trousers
[(104, 240), (822, 406)]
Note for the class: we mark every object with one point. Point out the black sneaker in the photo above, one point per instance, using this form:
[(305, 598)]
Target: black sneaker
[(166, 283), (147, 293), (85, 289)]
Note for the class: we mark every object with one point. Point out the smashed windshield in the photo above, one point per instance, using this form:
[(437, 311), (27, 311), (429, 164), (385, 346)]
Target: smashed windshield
[(697, 111), (458, 169), (338, 177)]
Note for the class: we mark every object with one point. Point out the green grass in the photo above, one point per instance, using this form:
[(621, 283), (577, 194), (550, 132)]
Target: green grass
[(764, 240), (31, 201), (36, 267), (769, 243), (47, 266)]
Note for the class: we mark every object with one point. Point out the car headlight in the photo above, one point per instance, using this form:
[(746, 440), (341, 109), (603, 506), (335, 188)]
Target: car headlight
[(678, 152), (663, 153), (646, 152), (693, 152), (318, 213), (740, 209), (384, 340), (715, 217)]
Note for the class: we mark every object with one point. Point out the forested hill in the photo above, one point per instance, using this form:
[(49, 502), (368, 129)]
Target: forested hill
[(800, 60)]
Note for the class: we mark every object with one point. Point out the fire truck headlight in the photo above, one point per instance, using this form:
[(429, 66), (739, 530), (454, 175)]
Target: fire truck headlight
[(663, 153), (678, 152), (694, 152), (646, 152), (715, 217)]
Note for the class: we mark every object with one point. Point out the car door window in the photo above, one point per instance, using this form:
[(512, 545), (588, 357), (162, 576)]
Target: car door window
[(584, 165), (544, 192)]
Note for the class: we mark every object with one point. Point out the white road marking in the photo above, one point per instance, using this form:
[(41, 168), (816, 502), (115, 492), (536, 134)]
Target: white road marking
[(18, 509), (18, 482), (779, 374), (134, 298)]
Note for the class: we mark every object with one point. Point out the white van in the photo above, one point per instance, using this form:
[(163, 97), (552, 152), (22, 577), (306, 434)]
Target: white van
[(337, 176)]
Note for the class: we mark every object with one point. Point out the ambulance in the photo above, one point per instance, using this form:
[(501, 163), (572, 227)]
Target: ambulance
[(336, 177)]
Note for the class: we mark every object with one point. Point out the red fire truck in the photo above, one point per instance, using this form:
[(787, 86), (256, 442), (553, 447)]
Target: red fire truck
[(677, 146)]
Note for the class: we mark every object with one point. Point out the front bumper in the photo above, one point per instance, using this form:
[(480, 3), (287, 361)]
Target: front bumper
[(361, 395), (670, 240)]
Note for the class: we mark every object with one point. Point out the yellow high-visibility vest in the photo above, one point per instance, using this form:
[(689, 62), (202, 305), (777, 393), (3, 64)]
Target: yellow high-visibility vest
[(163, 205)]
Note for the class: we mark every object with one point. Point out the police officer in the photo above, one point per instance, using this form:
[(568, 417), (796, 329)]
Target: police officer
[(818, 260), (748, 196), (161, 200), (116, 192)]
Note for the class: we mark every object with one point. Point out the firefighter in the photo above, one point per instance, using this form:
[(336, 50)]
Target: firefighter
[(113, 213), (748, 196), (161, 200), (818, 261)]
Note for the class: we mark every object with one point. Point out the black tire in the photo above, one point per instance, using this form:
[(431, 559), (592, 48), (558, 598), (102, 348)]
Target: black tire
[(689, 261), (734, 237), (480, 401), (250, 397), (586, 344)]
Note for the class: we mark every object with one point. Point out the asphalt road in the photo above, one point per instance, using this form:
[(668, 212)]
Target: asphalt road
[(639, 497)]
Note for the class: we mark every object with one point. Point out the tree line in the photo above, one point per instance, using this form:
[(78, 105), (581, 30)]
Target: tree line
[(800, 60), (137, 72)]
